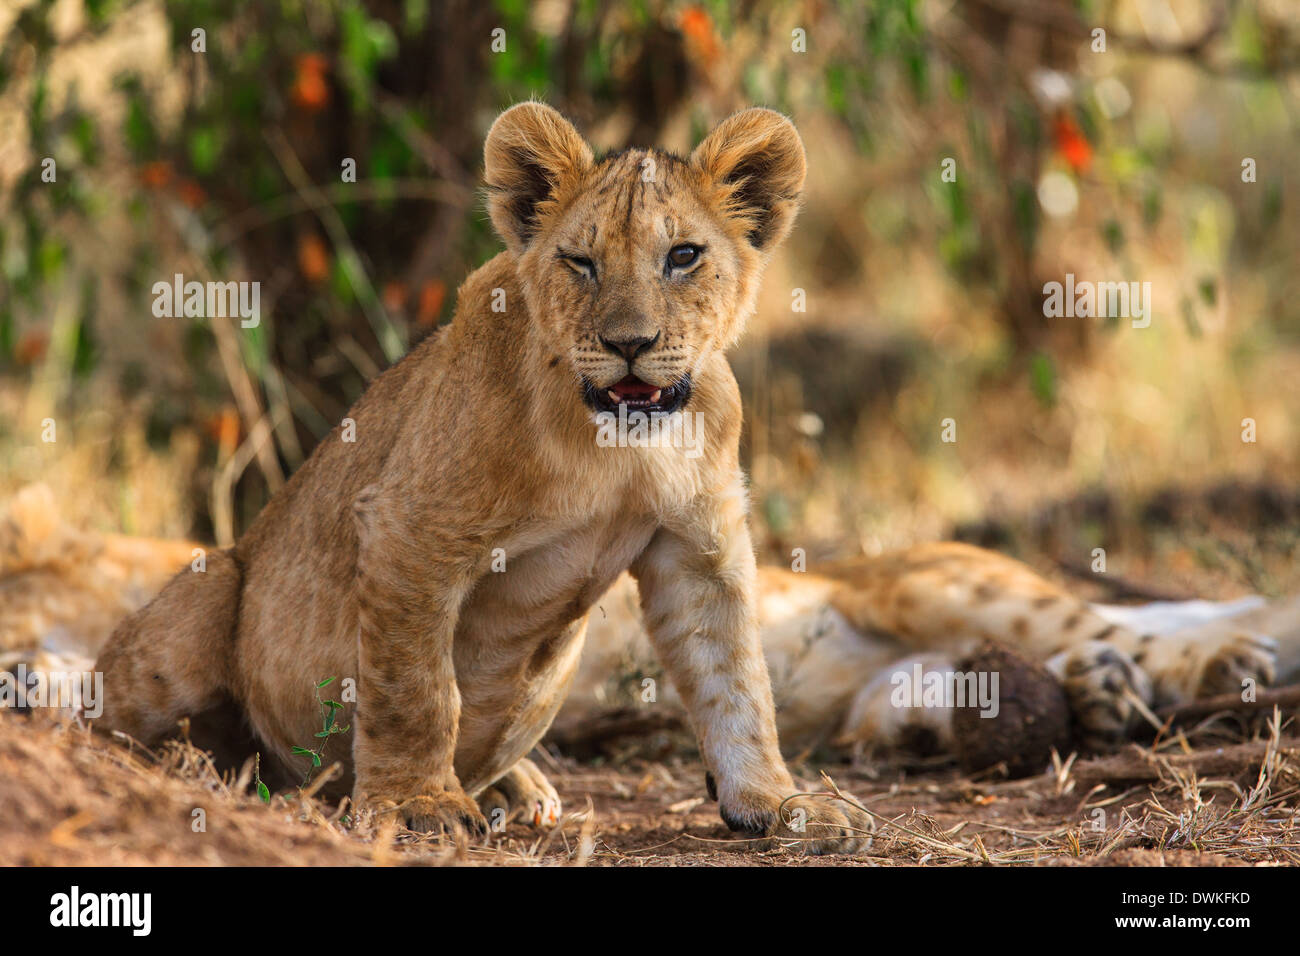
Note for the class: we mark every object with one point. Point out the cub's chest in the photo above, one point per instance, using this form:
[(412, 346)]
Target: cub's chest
[(537, 586)]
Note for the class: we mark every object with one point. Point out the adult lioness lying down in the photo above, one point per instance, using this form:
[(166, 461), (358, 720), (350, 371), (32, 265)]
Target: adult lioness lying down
[(448, 556)]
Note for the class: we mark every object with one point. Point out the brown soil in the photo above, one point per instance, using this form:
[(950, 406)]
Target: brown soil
[(71, 800)]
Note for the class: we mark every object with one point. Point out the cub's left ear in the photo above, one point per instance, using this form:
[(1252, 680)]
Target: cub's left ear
[(756, 160)]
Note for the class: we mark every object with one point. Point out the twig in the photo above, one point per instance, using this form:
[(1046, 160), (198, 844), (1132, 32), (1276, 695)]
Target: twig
[(1267, 699), (1118, 585)]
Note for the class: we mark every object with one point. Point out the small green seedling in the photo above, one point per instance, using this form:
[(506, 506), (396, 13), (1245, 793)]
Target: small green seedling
[(329, 711), (263, 790)]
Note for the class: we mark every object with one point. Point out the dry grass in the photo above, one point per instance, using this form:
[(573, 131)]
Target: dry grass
[(74, 800)]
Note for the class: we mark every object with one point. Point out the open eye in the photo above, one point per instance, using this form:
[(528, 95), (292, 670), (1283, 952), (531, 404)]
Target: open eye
[(579, 264), (679, 257)]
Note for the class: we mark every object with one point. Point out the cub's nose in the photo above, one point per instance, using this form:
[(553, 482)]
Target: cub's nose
[(630, 348)]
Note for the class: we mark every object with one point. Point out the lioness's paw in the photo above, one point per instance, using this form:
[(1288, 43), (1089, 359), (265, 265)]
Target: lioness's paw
[(523, 793), (1225, 666), (1102, 683), (449, 812), (1207, 663)]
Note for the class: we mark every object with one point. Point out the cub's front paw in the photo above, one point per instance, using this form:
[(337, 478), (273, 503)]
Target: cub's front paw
[(823, 824), (449, 812), (820, 824)]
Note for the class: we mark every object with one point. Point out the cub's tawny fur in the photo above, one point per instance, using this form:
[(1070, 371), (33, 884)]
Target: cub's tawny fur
[(447, 558)]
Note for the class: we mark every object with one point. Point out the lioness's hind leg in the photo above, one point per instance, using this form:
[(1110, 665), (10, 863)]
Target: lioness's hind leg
[(171, 658), (877, 722), (523, 793)]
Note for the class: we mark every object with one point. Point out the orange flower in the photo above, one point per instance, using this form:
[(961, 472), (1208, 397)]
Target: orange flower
[(31, 347), (223, 428), (394, 296), (431, 295), (156, 174), (1071, 143), (697, 26), (313, 257), (191, 193), (310, 90)]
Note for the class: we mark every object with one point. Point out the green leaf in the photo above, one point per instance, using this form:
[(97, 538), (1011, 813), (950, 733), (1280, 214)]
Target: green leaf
[(1042, 379), (325, 683), (1209, 290), (1152, 206), (301, 750), (1270, 209), (140, 134), (83, 134), (97, 11), (414, 15), (958, 86), (918, 73), (1113, 233), (205, 149), (50, 255), (6, 332), (364, 43), (834, 80), (85, 350), (264, 792)]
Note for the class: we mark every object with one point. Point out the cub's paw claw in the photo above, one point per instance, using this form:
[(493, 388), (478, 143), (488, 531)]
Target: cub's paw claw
[(523, 793), (1102, 683), (817, 825), (450, 812), (823, 825)]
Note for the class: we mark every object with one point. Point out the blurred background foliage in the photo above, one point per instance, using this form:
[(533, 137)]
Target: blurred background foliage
[(210, 138)]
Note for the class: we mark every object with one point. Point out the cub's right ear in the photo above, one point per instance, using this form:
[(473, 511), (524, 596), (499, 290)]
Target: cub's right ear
[(531, 156)]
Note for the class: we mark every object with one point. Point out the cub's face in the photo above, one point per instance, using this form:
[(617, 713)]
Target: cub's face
[(637, 267)]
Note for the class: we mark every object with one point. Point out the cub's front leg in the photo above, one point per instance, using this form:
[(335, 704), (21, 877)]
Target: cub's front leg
[(697, 583), (410, 584)]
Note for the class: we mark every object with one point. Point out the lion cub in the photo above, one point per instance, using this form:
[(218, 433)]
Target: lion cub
[(447, 558)]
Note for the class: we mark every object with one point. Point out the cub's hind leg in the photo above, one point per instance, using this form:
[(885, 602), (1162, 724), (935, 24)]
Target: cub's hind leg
[(523, 793), (171, 659)]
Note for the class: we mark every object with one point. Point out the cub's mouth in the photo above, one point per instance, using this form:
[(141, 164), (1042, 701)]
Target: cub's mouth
[(638, 396)]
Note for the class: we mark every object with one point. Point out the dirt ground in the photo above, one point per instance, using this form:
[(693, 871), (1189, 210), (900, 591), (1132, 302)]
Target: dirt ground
[(69, 800)]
